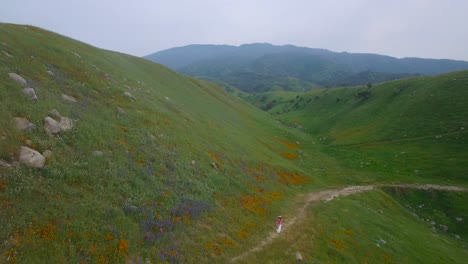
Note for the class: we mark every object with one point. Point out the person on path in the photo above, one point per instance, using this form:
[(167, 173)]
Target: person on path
[(279, 224)]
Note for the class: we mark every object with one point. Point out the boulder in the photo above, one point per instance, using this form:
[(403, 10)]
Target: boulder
[(31, 157), (130, 96), (51, 126), (65, 123), (54, 113), (51, 73), (7, 54), (30, 93), (23, 124), (298, 256), (69, 98), (17, 78)]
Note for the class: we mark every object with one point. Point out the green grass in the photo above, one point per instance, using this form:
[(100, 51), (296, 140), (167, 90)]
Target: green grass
[(412, 129), (348, 230), (144, 198)]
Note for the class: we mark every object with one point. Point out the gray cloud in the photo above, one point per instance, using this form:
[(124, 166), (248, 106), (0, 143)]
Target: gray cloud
[(401, 28)]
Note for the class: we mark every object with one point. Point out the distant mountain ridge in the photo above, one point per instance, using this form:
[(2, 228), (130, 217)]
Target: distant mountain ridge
[(307, 67)]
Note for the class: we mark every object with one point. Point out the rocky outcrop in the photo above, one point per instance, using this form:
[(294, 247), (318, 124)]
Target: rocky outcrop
[(31, 93), (51, 126), (23, 124), (55, 122), (65, 123), (7, 54), (31, 157), (55, 114), (17, 78), (69, 98)]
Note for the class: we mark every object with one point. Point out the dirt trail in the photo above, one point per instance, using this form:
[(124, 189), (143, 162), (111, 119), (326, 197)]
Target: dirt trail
[(329, 195)]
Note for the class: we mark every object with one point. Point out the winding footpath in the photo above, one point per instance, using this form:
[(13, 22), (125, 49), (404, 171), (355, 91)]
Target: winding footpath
[(329, 195)]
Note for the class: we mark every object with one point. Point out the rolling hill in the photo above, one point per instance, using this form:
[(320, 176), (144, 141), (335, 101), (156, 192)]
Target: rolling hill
[(110, 158), (256, 68)]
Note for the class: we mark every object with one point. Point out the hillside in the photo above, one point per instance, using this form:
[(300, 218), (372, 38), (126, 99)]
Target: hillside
[(110, 158), (420, 123), (155, 165), (256, 68)]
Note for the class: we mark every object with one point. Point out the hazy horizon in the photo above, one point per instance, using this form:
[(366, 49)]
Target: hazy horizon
[(412, 28)]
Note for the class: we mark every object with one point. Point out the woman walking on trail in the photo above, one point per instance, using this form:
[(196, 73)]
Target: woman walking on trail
[(280, 224)]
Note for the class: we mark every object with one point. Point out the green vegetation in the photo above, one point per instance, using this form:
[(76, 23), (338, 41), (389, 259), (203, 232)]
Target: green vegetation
[(164, 168), (407, 129), (181, 177), (258, 68), (371, 227)]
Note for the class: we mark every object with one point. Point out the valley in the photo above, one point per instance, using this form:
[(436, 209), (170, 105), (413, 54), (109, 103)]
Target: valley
[(152, 166)]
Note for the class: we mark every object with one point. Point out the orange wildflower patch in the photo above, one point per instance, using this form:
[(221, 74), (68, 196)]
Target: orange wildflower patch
[(337, 244), (3, 184), (253, 204), (259, 178), (216, 157), (242, 234), (123, 246), (274, 196), (289, 145), (289, 156), (349, 232), (291, 178)]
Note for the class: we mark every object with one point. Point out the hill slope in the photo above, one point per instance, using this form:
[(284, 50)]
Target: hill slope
[(265, 67), (155, 166), (418, 124)]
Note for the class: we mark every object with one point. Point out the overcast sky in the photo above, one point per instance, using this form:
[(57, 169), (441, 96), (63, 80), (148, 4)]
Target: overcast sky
[(400, 28)]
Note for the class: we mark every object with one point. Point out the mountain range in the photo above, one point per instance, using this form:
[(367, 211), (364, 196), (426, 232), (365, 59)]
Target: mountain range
[(262, 67)]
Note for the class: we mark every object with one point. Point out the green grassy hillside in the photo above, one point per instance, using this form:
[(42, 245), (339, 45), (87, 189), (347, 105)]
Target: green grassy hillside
[(162, 168), (374, 228), (158, 166), (415, 128)]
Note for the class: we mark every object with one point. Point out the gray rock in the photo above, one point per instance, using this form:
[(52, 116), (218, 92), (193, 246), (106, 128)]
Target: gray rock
[(51, 73), (130, 96), (31, 157), (459, 219), (7, 54), (54, 113), (444, 228), (121, 111), (69, 98), (298, 256), (30, 93), (47, 154), (4, 164), (193, 163), (17, 78), (51, 126), (65, 123), (382, 242), (23, 124)]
